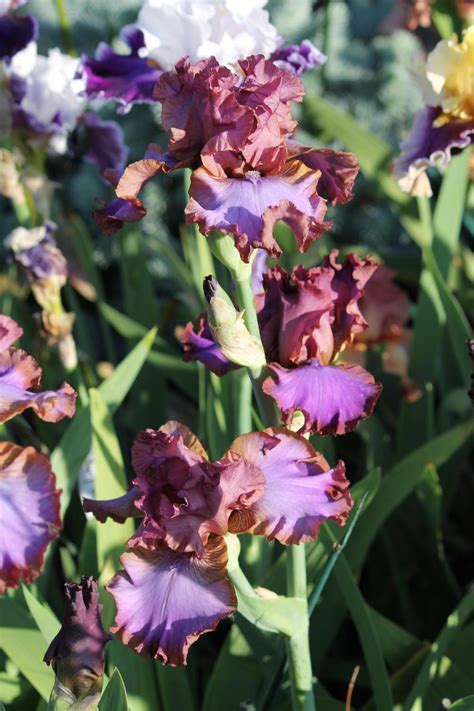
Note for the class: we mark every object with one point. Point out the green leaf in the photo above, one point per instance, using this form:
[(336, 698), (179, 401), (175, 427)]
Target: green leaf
[(46, 621), (449, 210), (139, 676), (465, 704), (25, 645), (365, 628), (114, 697), (398, 483), (175, 691), (71, 452), (274, 614), (111, 482), (429, 322), (431, 665)]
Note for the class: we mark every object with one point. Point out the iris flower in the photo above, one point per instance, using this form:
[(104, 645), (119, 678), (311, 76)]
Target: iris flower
[(30, 517), (307, 319), (235, 130), (174, 584)]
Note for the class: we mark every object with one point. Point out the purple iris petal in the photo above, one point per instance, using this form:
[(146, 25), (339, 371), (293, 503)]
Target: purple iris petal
[(301, 491), (249, 207), (339, 170), (298, 58), (166, 600), (15, 34), (332, 398), (429, 143), (111, 217), (199, 345), (19, 379), (10, 332), (118, 509), (104, 143), (30, 517), (127, 79)]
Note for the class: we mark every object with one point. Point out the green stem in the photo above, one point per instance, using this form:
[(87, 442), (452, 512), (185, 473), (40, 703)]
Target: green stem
[(299, 655), (243, 398), (245, 298), (65, 26)]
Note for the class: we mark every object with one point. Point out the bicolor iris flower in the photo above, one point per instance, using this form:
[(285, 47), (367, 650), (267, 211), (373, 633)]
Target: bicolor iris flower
[(235, 130), (307, 319), (270, 483), (29, 501), (446, 124)]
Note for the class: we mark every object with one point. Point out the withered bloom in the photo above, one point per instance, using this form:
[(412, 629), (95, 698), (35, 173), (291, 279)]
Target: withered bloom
[(77, 652)]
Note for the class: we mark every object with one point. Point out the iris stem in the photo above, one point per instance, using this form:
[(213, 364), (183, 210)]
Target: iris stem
[(65, 26), (299, 655)]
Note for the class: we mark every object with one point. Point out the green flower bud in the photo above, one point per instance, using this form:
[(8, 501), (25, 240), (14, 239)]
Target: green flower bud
[(229, 330)]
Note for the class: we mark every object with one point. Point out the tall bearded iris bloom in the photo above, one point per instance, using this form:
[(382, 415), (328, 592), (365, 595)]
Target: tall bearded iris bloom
[(235, 129), (174, 584), (307, 319), (30, 517), (446, 125)]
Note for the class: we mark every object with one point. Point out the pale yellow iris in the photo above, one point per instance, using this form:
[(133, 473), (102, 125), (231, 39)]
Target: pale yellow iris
[(450, 73)]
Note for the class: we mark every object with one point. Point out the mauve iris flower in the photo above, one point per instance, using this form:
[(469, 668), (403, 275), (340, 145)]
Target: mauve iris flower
[(125, 78), (268, 483), (20, 378), (235, 130), (306, 321), (77, 653)]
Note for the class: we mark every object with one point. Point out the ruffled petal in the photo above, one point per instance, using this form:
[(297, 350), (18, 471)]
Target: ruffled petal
[(332, 398), (298, 58), (429, 144), (118, 509), (10, 332), (112, 216), (18, 373), (301, 491), (248, 207), (185, 499), (137, 174), (200, 345), (348, 283), (338, 170), (166, 600), (16, 33), (297, 314), (104, 141), (30, 517)]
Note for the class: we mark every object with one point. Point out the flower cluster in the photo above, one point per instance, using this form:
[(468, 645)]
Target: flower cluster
[(174, 585), (42, 97), (30, 516), (306, 319), (446, 124)]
